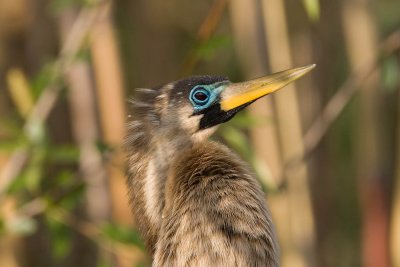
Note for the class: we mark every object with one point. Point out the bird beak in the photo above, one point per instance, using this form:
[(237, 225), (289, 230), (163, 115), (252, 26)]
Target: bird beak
[(237, 94)]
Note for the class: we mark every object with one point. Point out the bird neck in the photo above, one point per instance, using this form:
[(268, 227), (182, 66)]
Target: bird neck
[(166, 150), (160, 159)]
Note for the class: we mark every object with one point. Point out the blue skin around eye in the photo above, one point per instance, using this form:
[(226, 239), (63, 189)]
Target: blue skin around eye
[(210, 90)]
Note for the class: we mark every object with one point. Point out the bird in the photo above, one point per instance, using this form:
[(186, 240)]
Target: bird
[(195, 202)]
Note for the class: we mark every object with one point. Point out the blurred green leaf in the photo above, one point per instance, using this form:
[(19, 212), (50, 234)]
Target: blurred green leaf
[(61, 237), (10, 126), (122, 234), (84, 54), (245, 120), (237, 140), (2, 227), (73, 198), (34, 171), (35, 131), (208, 49), (20, 91), (64, 188), (313, 9), (32, 174), (387, 14), (103, 147), (232, 132), (65, 178), (17, 185), (60, 5), (143, 264), (104, 262), (21, 225), (264, 174), (63, 154), (8, 146), (43, 78), (390, 73)]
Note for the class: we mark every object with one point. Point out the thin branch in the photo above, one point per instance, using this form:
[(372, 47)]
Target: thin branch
[(338, 102), (335, 106), (204, 33)]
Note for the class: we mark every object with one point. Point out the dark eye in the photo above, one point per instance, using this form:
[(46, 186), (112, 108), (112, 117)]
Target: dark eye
[(200, 96)]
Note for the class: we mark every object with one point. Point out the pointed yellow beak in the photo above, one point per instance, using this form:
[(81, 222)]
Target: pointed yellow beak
[(237, 94)]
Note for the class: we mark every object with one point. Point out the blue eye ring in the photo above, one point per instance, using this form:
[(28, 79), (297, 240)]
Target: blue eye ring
[(200, 96)]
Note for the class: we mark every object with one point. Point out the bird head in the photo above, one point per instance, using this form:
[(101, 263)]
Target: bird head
[(192, 108)]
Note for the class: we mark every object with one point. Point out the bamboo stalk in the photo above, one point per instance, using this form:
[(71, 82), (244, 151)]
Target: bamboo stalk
[(245, 19), (395, 221), (246, 26), (85, 134), (301, 217), (110, 100), (84, 127), (110, 93), (10, 245), (362, 48)]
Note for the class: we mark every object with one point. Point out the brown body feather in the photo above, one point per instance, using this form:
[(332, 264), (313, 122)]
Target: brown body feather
[(212, 212)]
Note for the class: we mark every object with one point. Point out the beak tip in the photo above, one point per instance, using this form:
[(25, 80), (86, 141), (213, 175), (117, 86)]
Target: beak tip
[(310, 67), (298, 72)]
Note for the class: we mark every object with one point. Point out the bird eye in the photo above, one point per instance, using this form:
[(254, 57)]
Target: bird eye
[(200, 96)]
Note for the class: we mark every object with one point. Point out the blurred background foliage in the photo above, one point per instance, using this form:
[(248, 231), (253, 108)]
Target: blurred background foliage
[(326, 149)]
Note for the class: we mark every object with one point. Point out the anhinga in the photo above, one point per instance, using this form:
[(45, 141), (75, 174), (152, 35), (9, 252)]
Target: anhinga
[(195, 202)]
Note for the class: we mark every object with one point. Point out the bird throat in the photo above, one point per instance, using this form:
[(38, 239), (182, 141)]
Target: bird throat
[(158, 167)]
